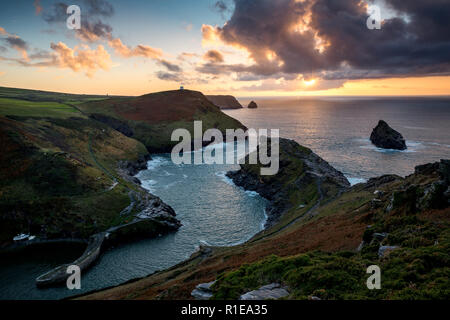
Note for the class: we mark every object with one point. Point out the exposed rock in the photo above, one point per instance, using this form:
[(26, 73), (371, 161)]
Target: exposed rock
[(376, 203), (383, 136), (384, 251), (314, 298), (252, 105), (133, 167), (225, 102), (379, 236), (270, 291), (203, 291), (301, 167)]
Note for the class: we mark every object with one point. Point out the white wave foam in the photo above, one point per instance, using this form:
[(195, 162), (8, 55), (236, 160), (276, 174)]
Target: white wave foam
[(149, 184), (222, 174), (156, 162), (413, 146), (252, 193), (354, 181)]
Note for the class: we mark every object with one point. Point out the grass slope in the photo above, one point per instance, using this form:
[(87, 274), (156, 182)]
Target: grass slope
[(153, 117), (55, 170)]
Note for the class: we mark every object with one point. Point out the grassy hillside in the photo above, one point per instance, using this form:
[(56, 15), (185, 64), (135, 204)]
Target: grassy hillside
[(313, 251), (47, 96), (152, 118), (58, 170)]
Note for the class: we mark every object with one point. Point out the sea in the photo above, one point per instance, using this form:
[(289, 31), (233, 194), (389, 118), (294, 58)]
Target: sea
[(215, 212)]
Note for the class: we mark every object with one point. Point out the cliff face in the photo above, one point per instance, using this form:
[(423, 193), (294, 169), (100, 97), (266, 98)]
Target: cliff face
[(152, 118), (225, 102), (303, 179)]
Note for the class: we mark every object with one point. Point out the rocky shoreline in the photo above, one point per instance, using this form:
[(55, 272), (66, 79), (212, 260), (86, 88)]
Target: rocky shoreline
[(153, 218), (312, 175)]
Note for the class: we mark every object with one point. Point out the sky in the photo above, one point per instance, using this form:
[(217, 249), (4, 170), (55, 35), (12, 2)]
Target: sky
[(247, 48)]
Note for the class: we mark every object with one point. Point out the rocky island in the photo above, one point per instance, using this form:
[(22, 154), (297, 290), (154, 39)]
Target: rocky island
[(252, 105), (383, 136)]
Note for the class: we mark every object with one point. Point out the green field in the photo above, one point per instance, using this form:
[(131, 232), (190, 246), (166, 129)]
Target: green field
[(24, 108)]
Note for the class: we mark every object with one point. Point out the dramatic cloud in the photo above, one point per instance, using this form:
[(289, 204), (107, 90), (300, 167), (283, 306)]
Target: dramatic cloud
[(169, 76), (169, 66), (138, 51), (14, 42), (78, 59), (92, 27), (94, 31), (330, 38), (213, 56), (81, 58)]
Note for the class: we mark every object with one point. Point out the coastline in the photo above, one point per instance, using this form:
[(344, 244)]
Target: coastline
[(159, 219)]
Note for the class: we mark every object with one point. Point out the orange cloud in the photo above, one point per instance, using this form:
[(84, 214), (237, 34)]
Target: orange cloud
[(15, 42), (210, 35), (138, 51), (81, 58), (37, 6), (213, 56)]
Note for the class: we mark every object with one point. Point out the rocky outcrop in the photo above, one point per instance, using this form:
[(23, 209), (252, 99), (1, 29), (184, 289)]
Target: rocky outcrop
[(225, 102), (300, 170), (133, 167), (383, 136), (252, 105), (203, 291), (271, 291)]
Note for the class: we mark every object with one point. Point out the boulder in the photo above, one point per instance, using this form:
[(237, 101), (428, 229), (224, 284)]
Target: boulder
[(252, 105), (203, 291), (383, 136), (384, 251), (270, 291)]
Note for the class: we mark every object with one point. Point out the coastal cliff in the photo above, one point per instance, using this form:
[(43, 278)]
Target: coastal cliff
[(303, 179), (321, 250), (225, 102), (153, 117)]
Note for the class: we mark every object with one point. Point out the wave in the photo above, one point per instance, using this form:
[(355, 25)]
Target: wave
[(413, 146), (149, 184), (354, 181), (222, 175), (157, 162)]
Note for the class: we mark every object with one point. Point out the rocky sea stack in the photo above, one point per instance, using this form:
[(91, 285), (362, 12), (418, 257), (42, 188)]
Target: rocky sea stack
[(383, 136), (252, 105)]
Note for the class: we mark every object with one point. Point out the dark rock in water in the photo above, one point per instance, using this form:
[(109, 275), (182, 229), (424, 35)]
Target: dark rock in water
[(253, 105), (383, 136)]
